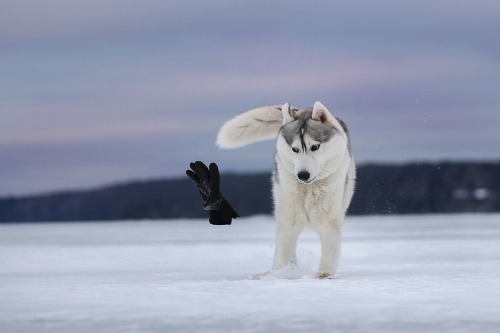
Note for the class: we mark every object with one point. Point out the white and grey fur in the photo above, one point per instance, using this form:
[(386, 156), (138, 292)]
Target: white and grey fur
[(313, 179)]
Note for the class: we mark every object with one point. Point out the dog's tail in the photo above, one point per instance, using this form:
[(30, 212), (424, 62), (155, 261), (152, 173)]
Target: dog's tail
[(254, 125)]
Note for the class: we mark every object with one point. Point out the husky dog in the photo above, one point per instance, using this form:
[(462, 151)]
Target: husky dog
[(313, 178)]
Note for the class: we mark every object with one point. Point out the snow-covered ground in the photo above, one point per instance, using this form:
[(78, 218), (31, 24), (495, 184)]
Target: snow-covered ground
[(438, 273)]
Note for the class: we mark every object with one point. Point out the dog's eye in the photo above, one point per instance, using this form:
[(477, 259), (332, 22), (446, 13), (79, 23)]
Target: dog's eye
[(295, 149), (315, 147)]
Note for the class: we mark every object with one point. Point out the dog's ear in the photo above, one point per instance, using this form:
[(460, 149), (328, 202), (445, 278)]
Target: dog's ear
[(321, 113), (287, 117)]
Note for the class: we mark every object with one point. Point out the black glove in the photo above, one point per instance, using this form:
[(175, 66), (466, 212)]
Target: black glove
[(208, 181)]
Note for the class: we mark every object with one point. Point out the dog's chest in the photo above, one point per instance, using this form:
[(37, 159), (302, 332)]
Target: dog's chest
[(311, 203), (321, 201)]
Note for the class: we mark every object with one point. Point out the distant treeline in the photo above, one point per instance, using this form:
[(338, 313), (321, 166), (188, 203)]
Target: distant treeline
[(380, 189)]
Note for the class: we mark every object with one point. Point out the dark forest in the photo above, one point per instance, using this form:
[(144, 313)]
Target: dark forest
[(380, 189)]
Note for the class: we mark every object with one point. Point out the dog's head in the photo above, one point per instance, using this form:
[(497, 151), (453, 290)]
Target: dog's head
[(312, 143)]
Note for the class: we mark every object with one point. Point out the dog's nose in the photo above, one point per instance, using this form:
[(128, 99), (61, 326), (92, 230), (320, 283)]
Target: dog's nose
[(303, 175)]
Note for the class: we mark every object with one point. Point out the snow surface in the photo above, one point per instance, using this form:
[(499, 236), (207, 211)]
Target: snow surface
[(437, 273)]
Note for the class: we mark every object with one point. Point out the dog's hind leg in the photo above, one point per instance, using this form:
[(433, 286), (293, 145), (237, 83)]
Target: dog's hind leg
[(330, 251)]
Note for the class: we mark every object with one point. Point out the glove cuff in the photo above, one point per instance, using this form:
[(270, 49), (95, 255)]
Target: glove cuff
[(224, 215)]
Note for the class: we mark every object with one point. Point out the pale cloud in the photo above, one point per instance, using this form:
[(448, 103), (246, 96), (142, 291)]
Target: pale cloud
[(115, 90)]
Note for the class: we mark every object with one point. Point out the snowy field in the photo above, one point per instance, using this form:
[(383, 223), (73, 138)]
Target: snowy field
[(430, 273)]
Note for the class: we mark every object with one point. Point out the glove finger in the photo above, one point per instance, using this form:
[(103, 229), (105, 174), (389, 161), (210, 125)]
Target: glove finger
[(214, 177), (202, 171), (193, 167), (193, 177)]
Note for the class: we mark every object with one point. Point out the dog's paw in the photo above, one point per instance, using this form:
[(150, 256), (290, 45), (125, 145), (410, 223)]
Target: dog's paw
[(324, 275), (260, 275)]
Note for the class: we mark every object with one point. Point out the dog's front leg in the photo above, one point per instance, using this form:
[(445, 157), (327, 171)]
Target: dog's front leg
[(286, 245), (330, 250)]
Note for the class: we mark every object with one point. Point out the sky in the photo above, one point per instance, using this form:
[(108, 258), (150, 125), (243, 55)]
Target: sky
[(102, 92)]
